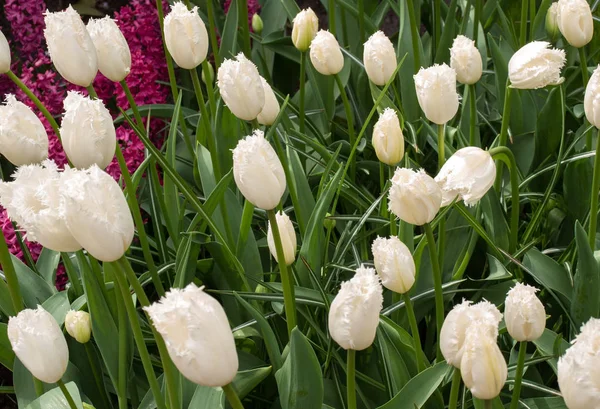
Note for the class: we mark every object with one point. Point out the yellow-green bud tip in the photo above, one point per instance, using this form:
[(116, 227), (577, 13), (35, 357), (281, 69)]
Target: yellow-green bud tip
[(257, 24)]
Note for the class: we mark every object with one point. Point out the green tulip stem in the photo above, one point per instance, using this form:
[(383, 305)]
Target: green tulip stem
[(476, 20), (594, 196), (523, 25), (441, 134), (349, 118), (437, 283), (453, 401), (472, 114), (301, 113), (212, 32), (351, 378), (209, 86), (11, 276), (414, 34), (244, 27), (488, 404), (331, 15), (132, 104), (65, 392), (514, 403), (437, 25), (232, 397), (584, 66), (91, 91), (414, 329), (503, 139)]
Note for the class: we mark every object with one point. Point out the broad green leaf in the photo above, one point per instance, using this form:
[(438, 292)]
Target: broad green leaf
[(33, 287), (545, 403), (47, 264), (185, 260), (548, 272), (58, 305), (586, 287), (229, 36), (55, 399), (7, 356), (546, 345)]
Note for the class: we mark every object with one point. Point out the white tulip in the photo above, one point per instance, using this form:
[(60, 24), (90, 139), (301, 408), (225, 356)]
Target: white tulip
[(394, 264), (325, 54), (288, 238), (70, 46), (78, 325), (39, 344), (591, 100), (87, 130), (575, 21), (197, 335), (436, 93), (271, 108), (33, 201), (114, 57), (306, 25), (4, 54), (414, 196), (483, 367), (388, 140), (96, 212), (466, 175), (354, 312), (258, 172), (379, 58), (241, 88), (535, 66), (23, 138), (465, 59), (186, 36), (524, 313), (579, 369)]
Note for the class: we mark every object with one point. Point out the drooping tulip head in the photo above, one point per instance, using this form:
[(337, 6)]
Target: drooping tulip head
[(436, 93), (465, 59), (186, 36), (379, 58), (287, 235), (306, 25), (394, 264), (388, 140), (535, 65), (114, 57), (241, 88), (414, 196), (325, 54)]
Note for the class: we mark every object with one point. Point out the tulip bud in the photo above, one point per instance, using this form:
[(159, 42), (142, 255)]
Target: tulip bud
[(388, 140), (271, 108), (325, 54), (114, 57), (70, 46), (306, 25), (591, 100), (535, 66), (197, 334), (77, 324), (394, 263), (466, 175), (257, 23), (87, 130), (211, 74), (354, 312), (288, 238), (96, 212), (39, 344), (578, 371), (575, 21), (436, 93), (465, 59), (33, 201), (414, 196), (186, 36), (23, 138), (552, 22), (241, 88), (524, 313), (257, 171), (483, 367), (4, 54), (379, 58)]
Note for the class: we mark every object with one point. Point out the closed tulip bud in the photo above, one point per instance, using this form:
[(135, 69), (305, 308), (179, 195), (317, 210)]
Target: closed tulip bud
[(379, 58), (257, 23), (575, 21), (257, 171), (436, 93), (4, 54), (524, 313), (591, 100), (483, 367), (287, 235), (70, 46), (535, 66), (552, 21), (465, 59), (39, 344), (388, 140), (33, 201), (306, 25), (23, 138), (241, 88), (96, 212), (354, 312), (87, 130), (325, 54), (394, 264), (414, 196), (579, 369), (186, 36), (466, 175), (197, 335), (78, 325), (271, 108), (114, 57), (211, 74)]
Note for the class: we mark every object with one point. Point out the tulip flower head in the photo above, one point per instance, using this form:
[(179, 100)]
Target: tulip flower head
[(535, 65), (575, 21), (388, 140), (241, 88), (466, 175), (591, 100), (70, 46), (39, 344), (186, 36), (271, 108), (114, 57), (78, 325), (287, 235), (394, 264), (552, 21), (379, 58), (197, 335), (23, 138), (465, 59), (354, 312), (414, 196), (524, 313), (436, 93), (306, 25), (325, 54), (4, 54)]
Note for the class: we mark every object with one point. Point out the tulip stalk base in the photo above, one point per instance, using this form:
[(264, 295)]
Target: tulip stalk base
[(453, 401), (232, 397), (301, 113), (437, 283), (65, 392), (472, 114), (441, 146), (91, 91), (503, 133), (514, 403), (414, 329), (594, 196), (351, 378)]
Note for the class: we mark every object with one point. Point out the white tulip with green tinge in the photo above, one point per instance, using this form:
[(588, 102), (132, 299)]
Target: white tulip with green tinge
[(306, 25), (114, 56), (78, 325), (186, 36), (287, 233)]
